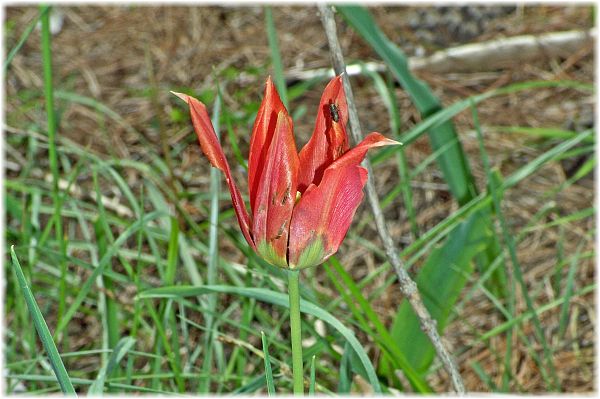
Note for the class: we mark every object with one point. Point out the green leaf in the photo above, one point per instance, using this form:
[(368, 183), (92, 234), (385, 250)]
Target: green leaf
[(311, 385), (42, 328), (43, 11), (268, 370), (274, 298), (345, 381), (440, 282), (276, 56), (120, 350)]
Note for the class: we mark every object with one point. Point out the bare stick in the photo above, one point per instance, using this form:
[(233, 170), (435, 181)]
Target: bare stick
[(477, 57), (407, 285)]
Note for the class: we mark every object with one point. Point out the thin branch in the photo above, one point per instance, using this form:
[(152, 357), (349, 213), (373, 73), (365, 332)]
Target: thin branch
[(477, 57), (407, 285)]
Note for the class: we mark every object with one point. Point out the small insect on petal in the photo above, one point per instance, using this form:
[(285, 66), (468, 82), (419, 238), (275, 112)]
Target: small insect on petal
[(334, 111)]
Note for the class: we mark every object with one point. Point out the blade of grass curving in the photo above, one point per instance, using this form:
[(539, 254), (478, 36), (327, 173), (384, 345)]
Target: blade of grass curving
[(43, 11), (510, 243), (274, 298), (119, 351), (279, 78), (268, 371), (42, 328)]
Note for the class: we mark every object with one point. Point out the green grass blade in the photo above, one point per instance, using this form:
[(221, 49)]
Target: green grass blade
[(278, 299), (43, 11), (52, 153), (564, 311), (278, 77), (233, 141), (119, 351), (483, 376), (345, 379), (268, 370), (538, 132), (311, 385), (105, 284), (172, 252), (42, 328)]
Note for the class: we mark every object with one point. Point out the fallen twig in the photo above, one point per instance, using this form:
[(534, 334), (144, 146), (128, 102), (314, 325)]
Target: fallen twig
[(407, 285), (477, 57)]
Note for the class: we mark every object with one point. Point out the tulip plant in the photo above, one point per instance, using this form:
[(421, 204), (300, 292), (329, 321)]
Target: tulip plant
[(302, 203)]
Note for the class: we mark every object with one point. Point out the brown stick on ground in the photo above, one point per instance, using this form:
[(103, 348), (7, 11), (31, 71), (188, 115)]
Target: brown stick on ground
[(480, 57), (407, 285)]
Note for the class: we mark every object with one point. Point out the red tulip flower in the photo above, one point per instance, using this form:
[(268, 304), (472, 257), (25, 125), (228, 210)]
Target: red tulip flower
[(302, 204)]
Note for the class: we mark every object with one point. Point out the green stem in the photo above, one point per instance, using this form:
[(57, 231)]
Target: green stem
[(294, 292), (52, 153)]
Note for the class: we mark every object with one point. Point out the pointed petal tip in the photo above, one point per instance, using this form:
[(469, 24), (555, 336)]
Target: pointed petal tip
[(377, 139), (184, 97), (393, 142), (269, 83)]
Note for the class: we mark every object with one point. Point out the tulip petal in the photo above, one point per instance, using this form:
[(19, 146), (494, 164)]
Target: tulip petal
[(324, 213), (329, 139), (211, 147), (262, 135), (276, 194)]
